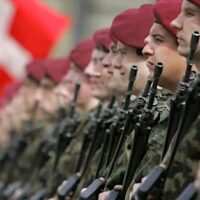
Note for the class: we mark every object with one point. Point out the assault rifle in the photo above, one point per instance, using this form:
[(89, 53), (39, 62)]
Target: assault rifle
[(91, 132), (96, 186), (67, 128), (72, 182), (69, 123), (20, 144), (143, 127)]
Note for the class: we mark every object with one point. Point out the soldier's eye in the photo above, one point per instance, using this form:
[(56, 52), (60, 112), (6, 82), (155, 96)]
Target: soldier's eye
[(123, 52), (189, 12)]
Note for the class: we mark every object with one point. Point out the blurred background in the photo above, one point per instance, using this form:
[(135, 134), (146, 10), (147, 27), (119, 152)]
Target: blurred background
[(50, 28)]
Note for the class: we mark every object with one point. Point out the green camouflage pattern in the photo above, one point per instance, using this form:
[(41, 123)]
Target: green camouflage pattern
[(184, 165), (156, 139), (68, 160), (92, 167)]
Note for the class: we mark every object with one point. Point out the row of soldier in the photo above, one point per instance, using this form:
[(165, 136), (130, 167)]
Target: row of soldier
[(117, 119)]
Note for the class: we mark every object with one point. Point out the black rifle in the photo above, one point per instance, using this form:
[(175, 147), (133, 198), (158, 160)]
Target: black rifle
[(189, 193), (63, 131), (20, 144), (132, 118), (119, 119), (96, 186), (72, 182), (105, 142), (190, 110), (67, 128), (142, 131), (90, 132), (177, 102), (130, 121)]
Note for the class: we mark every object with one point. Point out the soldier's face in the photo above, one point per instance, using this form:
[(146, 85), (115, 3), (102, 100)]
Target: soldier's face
[(62, 94), (47, 102), (161, 46), (111, 65), (130, 57), (97, 74), (24, 98), (73, 76), (186, 22)]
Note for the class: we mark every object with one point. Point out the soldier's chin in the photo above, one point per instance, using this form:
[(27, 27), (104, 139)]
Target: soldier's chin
[(183, 51), (99, 94), (42, 115)]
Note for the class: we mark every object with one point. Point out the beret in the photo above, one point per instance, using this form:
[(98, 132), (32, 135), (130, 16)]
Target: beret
[(132, 26), (197, 2), (56, 68), (81, 54), (101, 37), (166, 11), (35, 69)]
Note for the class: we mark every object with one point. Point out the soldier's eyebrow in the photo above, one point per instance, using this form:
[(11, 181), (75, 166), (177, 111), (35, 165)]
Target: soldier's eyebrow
[(160, 35), (113, 48), (192, 9), (122, 49)]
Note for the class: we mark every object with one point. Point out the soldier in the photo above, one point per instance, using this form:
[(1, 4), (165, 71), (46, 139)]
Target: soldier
[(45, 114), (185, 162), (129, 44), (21, 103), (55, 69), (98, 76), (79, 58)]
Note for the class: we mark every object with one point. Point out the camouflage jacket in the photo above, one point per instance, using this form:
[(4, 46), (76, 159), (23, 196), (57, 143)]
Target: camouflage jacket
[(185, 163), (156, 138), (68, 160)]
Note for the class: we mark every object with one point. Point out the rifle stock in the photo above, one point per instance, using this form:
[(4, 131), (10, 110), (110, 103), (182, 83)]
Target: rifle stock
[(68, 187), (190, 193), (93, 190)]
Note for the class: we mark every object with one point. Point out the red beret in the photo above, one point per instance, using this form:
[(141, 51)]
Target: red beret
[(166, 11), (81, 54), (112, 36), (56, 68), (133, 25), (35, 69), (101, 37), (197, 2)]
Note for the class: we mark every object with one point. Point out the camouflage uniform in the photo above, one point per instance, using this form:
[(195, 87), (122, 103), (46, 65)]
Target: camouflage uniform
[(68, 160), (92, 167), (185, 164), (156, 139), (156, 142), (25, 162)]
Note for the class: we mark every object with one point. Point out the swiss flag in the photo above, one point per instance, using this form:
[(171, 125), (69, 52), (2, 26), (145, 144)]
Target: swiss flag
[(5, 79), (28, 29), (37, 27)]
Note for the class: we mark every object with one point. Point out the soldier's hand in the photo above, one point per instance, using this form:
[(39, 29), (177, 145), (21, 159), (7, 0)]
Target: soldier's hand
[(103, 195), (118, 187), (69, 196), (53, 198)]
